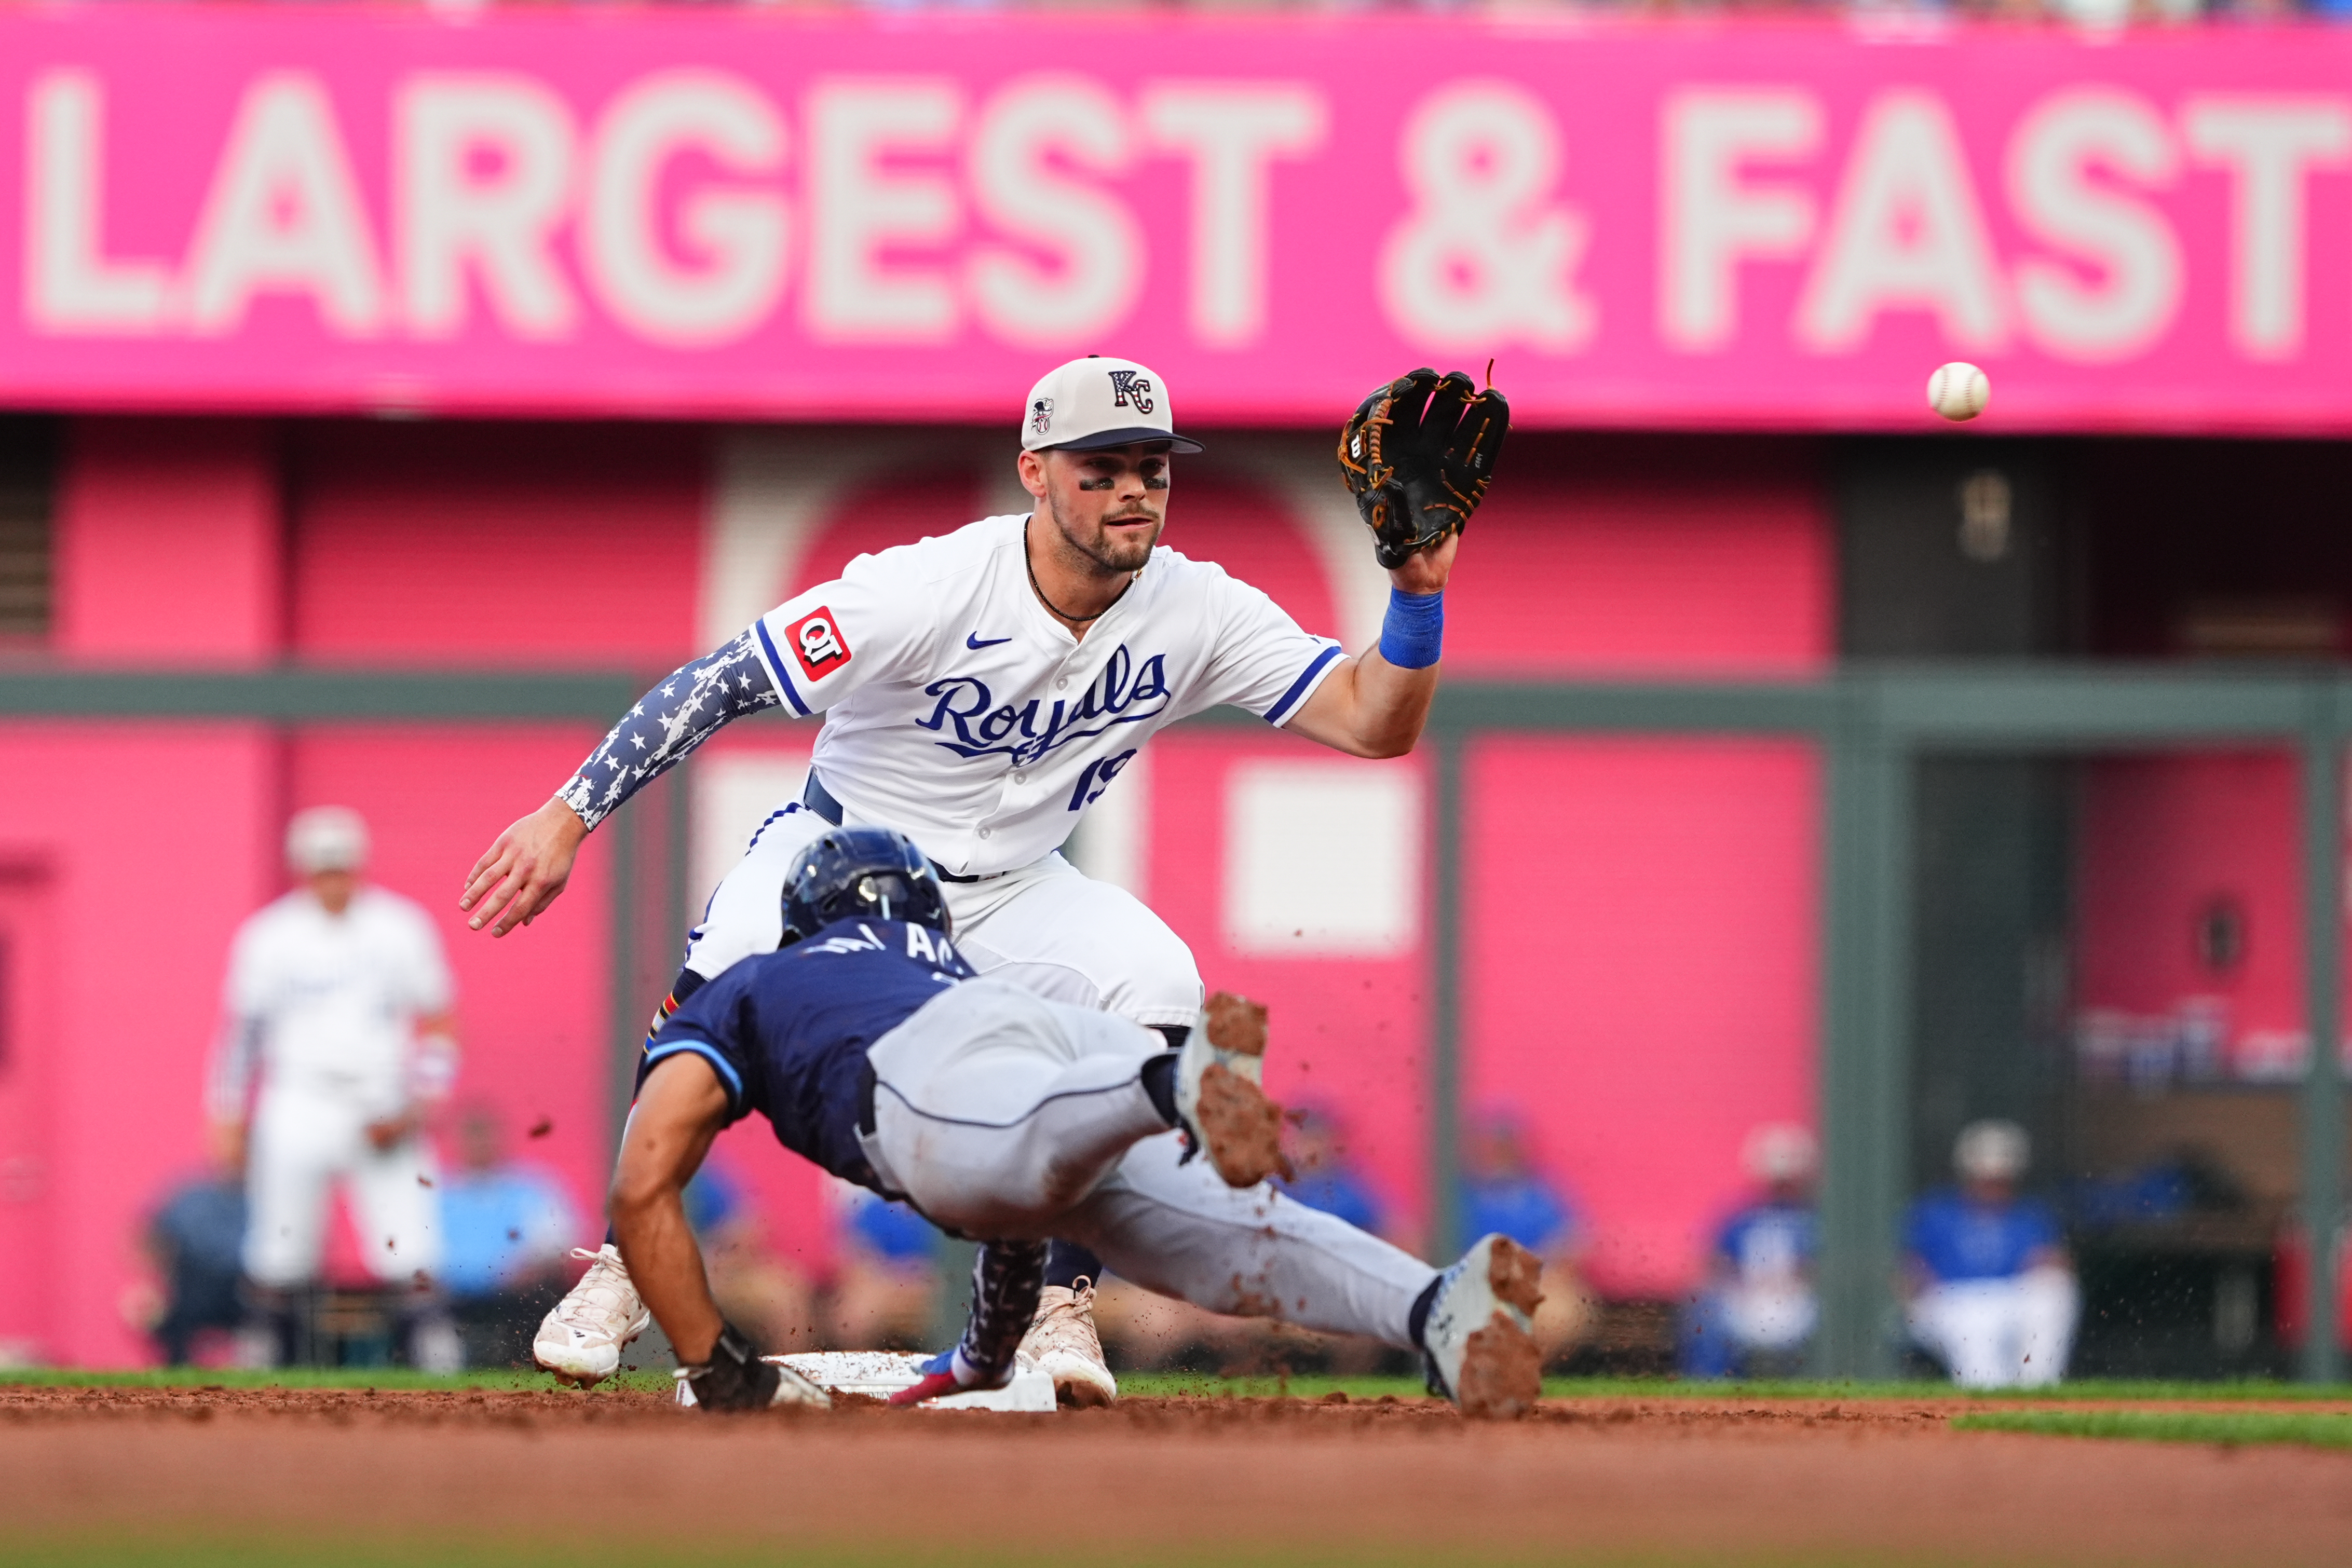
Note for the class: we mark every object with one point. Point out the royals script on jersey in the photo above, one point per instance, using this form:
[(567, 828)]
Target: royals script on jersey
[(959, 712)]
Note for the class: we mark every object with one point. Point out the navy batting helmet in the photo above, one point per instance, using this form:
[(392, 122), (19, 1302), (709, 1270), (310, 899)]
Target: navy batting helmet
[(854, 871)]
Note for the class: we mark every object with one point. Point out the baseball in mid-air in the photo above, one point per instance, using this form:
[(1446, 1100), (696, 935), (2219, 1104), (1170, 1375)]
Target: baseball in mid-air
[(1959, 391)]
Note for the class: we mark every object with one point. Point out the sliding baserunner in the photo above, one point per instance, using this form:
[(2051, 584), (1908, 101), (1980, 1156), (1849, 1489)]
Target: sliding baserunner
[(1007, 1118)]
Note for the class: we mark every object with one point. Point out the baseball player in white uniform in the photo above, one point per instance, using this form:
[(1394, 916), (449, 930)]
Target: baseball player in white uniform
[(336, 1042), (981, 689)]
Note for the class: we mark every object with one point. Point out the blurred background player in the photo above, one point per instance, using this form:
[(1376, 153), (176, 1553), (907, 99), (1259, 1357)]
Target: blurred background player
[(1755, 1315), (979, 691), (1992, 1292), (336, 1042), (508, 1229), (1504, 1191)]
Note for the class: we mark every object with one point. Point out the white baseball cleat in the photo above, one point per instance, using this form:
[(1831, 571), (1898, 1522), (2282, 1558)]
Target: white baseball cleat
[(1478, 1344), (1219, 1095), (1063, 1345), (580, 1339)]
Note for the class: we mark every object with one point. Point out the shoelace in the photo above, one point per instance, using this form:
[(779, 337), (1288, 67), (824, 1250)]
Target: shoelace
[(1072, 1316), (597, 1292)]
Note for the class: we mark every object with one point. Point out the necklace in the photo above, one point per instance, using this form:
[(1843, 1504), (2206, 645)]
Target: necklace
[(1039, 589)]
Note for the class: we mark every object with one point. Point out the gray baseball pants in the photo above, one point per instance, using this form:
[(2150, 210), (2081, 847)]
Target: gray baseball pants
[(1003, 1116)]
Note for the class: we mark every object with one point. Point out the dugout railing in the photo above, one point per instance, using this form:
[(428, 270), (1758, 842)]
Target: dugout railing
[(1872, 727)]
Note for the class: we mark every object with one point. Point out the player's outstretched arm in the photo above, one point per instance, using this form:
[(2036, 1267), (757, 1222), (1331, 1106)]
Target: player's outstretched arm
[(1375, 704), (526, 866), (679, 1110)]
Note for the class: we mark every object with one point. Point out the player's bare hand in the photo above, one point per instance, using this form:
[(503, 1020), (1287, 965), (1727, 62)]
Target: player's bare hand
[(1425, 570), (228, 1146), (523, 869), (386, 1135)]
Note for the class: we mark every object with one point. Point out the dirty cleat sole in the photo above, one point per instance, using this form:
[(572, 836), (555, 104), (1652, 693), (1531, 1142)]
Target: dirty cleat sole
[(1478, 1342), (1219, 1095)]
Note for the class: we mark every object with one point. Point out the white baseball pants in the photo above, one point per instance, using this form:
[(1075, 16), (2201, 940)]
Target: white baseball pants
[(1002, 1115), (1047, 927), (304, 1141), (2000, 1334)]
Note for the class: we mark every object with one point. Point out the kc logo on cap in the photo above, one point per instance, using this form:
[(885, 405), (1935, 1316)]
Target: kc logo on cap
[(1088, 404)]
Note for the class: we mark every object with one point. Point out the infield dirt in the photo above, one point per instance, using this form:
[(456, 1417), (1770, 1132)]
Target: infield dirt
[(1681, 1478)]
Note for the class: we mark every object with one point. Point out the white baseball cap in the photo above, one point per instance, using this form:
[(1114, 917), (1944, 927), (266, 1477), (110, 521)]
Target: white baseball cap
[(1094, 403), (1992, 1151), (1779, 1151), (325, 838)]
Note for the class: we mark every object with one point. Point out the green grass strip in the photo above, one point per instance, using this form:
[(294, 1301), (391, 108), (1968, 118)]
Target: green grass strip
[(1173, 1384), (2229, 1428), (384, 1377)]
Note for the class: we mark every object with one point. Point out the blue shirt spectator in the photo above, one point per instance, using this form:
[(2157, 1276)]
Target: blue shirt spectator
[(1502, 1190), (1325, 1177), (1524, 1208), (1956, 1237), (501, 1226), (198, 1240), (892, 1232), (504, 1225), (1769, 1241)]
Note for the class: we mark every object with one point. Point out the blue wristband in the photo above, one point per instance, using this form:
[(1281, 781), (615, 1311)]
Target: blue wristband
[(1412, 634)]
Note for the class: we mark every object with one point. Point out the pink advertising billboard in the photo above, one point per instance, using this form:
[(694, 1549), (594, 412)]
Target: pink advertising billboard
[(737, 214)]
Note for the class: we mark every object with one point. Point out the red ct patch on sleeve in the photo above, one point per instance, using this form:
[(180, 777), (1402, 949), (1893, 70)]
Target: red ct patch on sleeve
[(817, 643)]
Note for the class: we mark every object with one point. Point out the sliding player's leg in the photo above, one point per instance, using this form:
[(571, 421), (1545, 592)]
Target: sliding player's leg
[(1176, 1228)]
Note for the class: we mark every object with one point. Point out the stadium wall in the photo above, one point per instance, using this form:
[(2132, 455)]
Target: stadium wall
[(395, 543)]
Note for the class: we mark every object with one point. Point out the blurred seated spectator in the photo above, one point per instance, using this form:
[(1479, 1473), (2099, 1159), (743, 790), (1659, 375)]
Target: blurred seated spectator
[(1755, 1315), (1992, 1289), (2182, 1183), (886, 1287), (508, 1229), (1503, 1190), (1323, 1175), (194, 1243), (759, 1292)]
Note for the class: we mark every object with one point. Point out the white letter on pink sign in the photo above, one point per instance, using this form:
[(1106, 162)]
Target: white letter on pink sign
[(1907, 235), (484, 172), (2267, 144), (858, 207), (1484, 259), (1231, 132), (1092, 236), (739, 232), (1710, 219), (69, 285), (284, 215), (2128, 243)]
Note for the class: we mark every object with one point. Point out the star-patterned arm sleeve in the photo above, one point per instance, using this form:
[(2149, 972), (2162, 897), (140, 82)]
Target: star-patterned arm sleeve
[(666, 722)]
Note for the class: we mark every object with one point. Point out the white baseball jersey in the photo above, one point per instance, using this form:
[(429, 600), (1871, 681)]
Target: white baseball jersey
[(959, 711), (329, 1002)]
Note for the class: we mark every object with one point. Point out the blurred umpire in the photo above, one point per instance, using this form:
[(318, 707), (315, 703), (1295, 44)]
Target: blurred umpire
[(335, 1042)]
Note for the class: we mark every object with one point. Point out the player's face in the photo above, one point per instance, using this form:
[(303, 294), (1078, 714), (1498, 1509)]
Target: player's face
[(1110, 506), (333, 889)]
